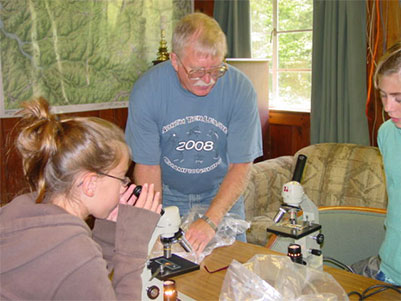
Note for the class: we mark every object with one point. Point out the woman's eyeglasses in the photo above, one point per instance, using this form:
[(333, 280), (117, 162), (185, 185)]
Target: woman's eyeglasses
[(125, 181)]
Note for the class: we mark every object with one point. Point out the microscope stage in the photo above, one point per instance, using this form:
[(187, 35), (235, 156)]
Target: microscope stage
[(293, 231), (173, 266)]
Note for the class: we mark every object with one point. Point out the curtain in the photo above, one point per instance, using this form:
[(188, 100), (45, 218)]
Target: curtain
[(339, 72), (234, 19)]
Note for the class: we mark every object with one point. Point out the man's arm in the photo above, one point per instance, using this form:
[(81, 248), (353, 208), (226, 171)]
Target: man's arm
[(148, 174), (200, 233)]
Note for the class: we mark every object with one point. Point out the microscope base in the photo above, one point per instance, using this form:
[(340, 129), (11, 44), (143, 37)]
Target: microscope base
[(173, 266)]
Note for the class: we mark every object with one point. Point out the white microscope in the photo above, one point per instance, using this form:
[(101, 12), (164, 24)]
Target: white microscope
[(299, 237), (169, 265)]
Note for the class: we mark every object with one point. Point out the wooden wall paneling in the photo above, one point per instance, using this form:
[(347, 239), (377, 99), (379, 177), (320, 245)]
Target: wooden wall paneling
[(120, 117), (13, 181), (281, 144), (107, 114), (204, 6), (289, 132), (2, 164)]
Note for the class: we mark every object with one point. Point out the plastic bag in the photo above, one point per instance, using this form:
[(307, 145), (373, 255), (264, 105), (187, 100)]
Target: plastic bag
[(228, 229), (277, 278)]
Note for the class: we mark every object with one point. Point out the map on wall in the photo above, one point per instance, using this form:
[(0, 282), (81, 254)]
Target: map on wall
[(78, 52)]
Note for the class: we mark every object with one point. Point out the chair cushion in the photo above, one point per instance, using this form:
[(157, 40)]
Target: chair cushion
[(263, 193)]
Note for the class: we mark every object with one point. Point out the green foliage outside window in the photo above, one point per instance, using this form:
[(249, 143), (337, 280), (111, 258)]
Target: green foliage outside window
[(294, 49)]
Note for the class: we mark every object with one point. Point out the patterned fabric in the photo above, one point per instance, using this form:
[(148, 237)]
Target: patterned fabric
[(263, 195), (335, 174)]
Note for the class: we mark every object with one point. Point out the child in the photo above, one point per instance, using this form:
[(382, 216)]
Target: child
[(388, 82), (77, 167), (387, 266)]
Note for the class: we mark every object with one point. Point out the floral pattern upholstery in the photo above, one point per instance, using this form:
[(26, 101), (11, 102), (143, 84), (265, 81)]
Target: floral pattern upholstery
[(335, 174)]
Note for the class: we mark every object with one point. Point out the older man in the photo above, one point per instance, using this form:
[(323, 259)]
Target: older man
[(194, 129)]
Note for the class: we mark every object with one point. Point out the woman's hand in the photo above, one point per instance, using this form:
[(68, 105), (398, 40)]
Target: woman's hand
[(148, 199)]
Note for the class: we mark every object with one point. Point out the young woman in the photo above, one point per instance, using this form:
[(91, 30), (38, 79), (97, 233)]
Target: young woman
[(388, 82), (76, 168)]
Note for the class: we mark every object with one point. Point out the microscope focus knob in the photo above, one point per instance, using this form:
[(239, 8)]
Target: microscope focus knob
[(315, 252), (319, 238), (153, 292)]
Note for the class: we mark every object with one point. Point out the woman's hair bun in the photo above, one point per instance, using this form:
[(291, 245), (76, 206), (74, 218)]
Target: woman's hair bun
[(37, 140), (36, 109)]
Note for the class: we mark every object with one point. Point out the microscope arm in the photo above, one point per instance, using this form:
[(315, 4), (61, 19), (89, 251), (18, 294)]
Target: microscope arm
[(310, 211)]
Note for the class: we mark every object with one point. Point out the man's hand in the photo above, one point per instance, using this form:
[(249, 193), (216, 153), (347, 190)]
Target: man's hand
[(199, 234)]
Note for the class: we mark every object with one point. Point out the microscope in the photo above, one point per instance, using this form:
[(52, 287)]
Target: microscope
[(305, 235), (169, 265)]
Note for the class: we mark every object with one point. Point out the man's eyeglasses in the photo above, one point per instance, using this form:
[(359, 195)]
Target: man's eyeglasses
[(215, 72), (125, 181)]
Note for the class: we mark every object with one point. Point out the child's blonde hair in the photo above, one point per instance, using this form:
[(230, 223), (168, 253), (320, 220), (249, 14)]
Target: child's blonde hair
[(55, 149), (389, 63)]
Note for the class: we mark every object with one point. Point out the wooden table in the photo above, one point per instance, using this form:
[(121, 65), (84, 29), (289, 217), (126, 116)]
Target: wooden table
[(201, 285)]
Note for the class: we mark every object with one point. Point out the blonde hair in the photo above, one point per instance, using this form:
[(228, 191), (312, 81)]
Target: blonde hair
[(201, 31), (389, 63), (54, 150)]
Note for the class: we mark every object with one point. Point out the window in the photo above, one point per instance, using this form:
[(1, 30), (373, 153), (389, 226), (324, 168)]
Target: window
[(282, 32)]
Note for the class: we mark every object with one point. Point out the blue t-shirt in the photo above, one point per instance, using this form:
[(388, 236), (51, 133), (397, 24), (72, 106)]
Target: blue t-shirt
[(193, 138), (389, 140)]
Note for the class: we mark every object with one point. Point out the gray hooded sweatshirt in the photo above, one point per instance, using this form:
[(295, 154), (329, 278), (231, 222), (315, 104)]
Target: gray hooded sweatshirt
[(47, 253)]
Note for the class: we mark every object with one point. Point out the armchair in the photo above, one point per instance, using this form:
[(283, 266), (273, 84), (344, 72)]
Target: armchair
[(336, 174)]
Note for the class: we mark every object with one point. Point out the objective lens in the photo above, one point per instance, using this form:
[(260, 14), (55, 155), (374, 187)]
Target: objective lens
[(279, 215)]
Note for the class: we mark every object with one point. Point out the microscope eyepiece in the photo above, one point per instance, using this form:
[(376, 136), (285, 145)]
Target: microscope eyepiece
[(137, 190)]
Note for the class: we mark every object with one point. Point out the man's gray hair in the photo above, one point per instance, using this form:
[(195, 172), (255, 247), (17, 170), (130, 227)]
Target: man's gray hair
[(202, 32)]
